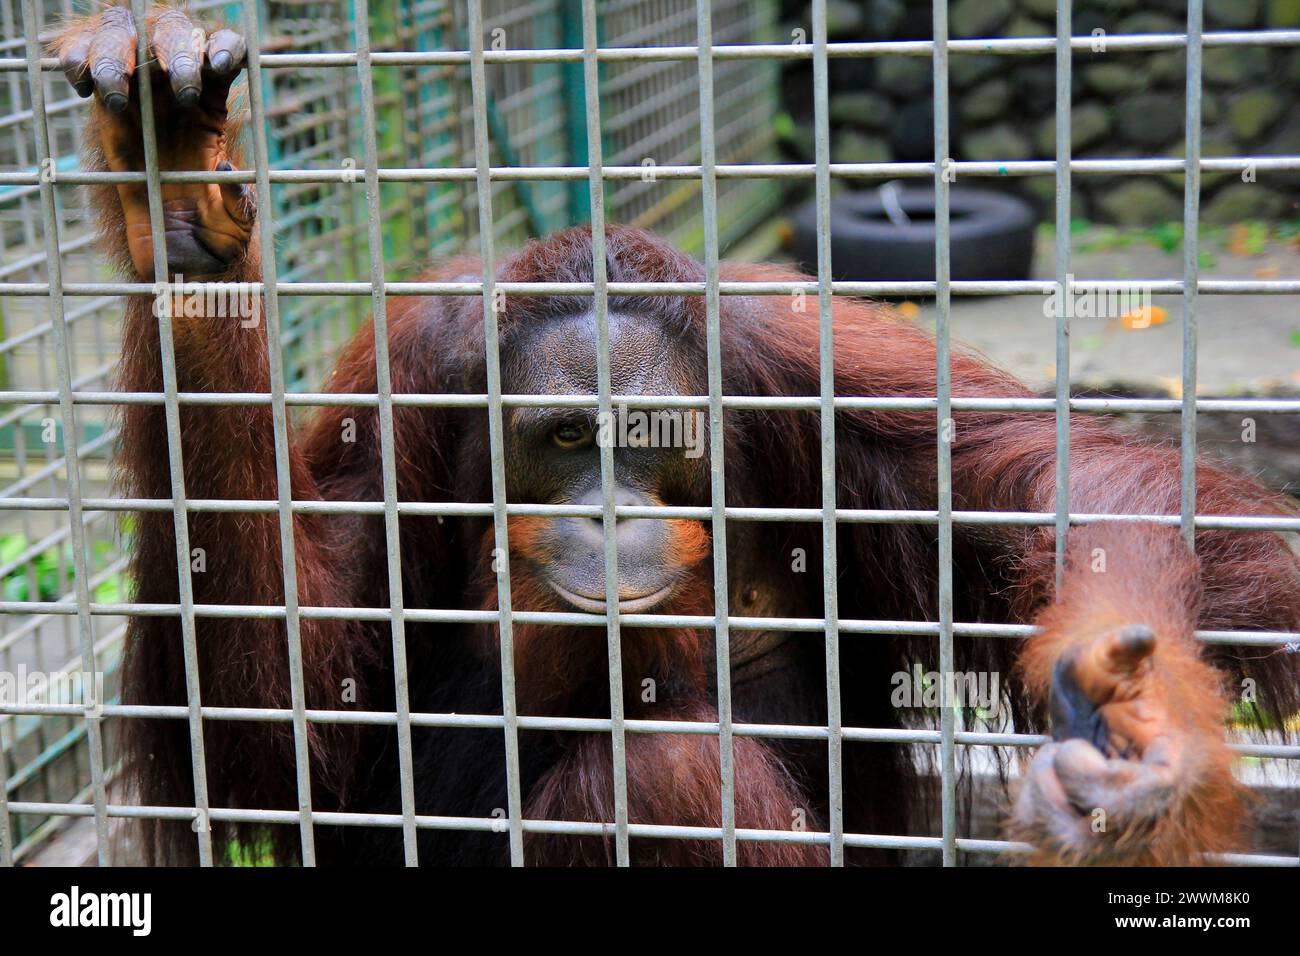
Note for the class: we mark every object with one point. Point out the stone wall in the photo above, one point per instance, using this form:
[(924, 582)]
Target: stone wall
[(1126, 104)]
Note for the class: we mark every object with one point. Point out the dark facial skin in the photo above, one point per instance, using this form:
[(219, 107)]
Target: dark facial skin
[(553, 457)]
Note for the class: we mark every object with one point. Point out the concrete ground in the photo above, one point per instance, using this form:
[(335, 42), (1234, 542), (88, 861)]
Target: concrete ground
[(1248, 344)]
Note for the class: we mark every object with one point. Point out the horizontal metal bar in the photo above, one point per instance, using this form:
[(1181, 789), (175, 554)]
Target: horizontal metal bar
[(571, 828), (747, 402), (848, 288), (575, 618), (755, 51), (964, 168), (660, 512), (565, 827), (584, 725)]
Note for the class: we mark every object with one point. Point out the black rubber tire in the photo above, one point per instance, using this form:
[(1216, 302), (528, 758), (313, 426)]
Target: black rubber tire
[(991, 236)]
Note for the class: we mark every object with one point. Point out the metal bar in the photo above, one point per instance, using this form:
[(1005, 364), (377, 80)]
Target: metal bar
[(496, 437), (62, 358), (384, 387), (439, 616), (595, 725), (579, 174), (692, 512), (866, 289), (600, 304), (1099, 406), (280, 427), (1064, 105), (573, 828), (756, 51), (1191, 271), (945, 425), (6, 829), (826, 383), (717, 441), (175, 458)]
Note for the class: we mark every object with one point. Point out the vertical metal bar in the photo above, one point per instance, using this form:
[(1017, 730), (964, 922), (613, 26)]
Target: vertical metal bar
[(172, 417), (384, 390), (13, 83), (600, 303), (826, 337), (718, 490), (58, 324), (1191, 269), (1064, 64), (280, 424), (943, 297), (496, 439), (6, 831)]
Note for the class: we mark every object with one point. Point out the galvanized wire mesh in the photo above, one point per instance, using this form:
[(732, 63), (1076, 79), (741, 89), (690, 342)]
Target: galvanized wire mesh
[(488, 162)]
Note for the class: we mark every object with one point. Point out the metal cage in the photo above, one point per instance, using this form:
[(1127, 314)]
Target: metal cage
[(504, 142)]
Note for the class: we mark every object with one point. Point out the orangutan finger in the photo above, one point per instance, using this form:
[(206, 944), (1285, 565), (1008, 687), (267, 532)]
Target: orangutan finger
[(179, 46), (111, 57), (74, 56), (1127, 791), (226, 52), (1125, 648)]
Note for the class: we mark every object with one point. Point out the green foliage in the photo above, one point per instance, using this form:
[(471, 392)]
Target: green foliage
[(1248, 238), (784, 125), (257, 853), (1247, 715), (1168, 236), (45, 569)]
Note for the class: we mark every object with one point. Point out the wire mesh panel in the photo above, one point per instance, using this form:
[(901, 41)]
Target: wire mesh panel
[(382, 138), (424, 118), (46, 758), (650, 113)]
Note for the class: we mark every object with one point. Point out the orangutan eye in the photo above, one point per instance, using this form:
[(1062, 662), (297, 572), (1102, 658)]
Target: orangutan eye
[(572, 435)]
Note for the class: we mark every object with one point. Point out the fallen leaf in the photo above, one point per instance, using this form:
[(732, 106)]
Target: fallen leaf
[(1144, 318), (1238, 238)]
